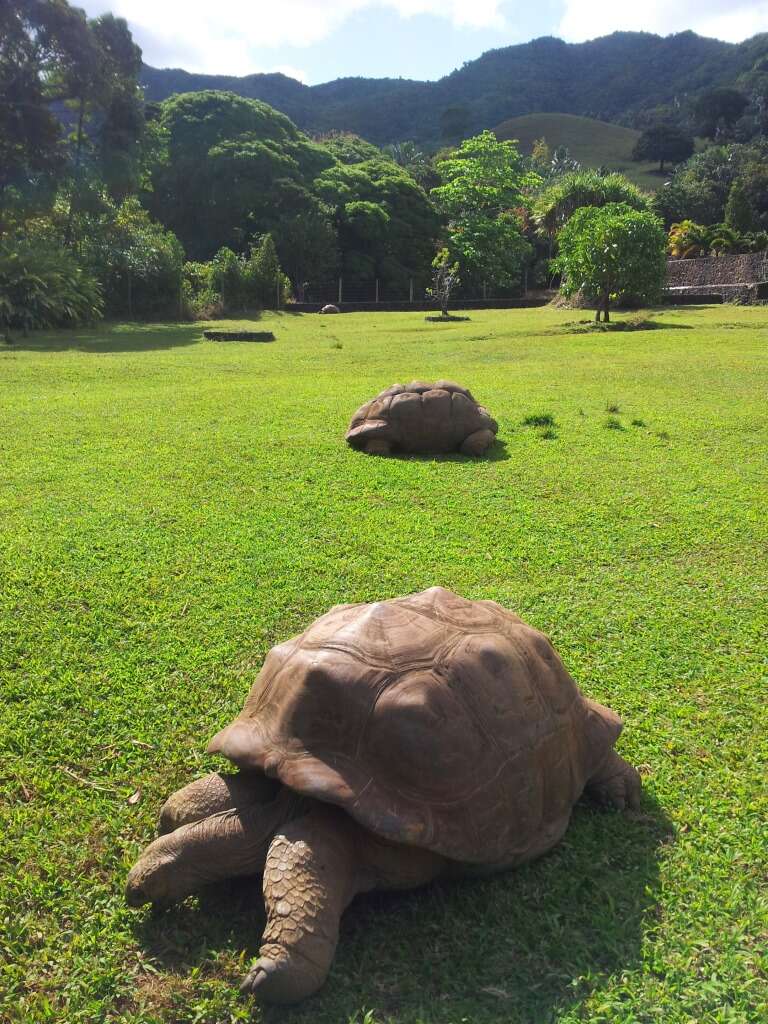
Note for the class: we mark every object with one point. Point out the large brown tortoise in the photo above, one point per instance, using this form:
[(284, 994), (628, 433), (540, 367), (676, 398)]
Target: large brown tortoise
[(388, 745), (419, 417)]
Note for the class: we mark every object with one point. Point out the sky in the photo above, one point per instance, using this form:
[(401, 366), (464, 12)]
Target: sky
[(319, 40)]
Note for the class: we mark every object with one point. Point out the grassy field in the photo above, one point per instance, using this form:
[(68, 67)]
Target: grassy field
[(171, 507), (593, 143)]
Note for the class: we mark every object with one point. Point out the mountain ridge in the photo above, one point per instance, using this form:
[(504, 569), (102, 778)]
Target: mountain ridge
[(611, 78)]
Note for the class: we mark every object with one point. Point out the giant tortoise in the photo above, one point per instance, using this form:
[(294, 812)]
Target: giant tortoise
[(388, 745), (419, 417)]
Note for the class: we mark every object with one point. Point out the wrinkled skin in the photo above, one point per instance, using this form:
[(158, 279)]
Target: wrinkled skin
[(389, 744), (314, 859)]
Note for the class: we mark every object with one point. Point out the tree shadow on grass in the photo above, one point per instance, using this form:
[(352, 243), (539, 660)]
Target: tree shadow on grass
[(526, 946), (109, 338)]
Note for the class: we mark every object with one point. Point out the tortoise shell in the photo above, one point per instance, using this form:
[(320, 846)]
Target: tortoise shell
[(420, 417), (432, 720)]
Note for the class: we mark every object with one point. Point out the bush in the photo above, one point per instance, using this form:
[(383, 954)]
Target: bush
[(610, 252), (43, 285), (138, 262)]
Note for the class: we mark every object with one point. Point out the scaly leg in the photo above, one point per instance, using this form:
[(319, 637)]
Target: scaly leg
[(477, 443), (228, 844), (616, 784), (377, 446), (314, 867)]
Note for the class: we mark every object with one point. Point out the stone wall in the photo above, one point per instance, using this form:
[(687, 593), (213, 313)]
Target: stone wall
[(728, 275)]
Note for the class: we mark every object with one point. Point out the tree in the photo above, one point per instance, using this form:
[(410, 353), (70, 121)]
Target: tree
[(231, 168), (612, 252), (483, 183), (558, 201), (663, 142), (739, 214), (686, 240), (445, 277), (385, 222), (44, 45), (717, 111)]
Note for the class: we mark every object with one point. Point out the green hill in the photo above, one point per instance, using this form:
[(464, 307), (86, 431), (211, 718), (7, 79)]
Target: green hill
[(593, 143), (612, 78)]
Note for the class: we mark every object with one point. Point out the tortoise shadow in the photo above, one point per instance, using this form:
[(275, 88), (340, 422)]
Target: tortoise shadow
[(527, 946), (496, 453)]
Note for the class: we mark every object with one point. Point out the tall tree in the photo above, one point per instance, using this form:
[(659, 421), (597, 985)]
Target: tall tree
[(43, 45), (482, 190)]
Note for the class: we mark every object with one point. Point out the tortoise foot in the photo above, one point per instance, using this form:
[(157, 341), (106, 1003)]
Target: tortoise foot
[(617, 784), (378, 447), (280, 981), (478, 443)]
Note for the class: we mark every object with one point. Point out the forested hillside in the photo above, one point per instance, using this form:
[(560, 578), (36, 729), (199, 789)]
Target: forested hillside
[(614, 78)]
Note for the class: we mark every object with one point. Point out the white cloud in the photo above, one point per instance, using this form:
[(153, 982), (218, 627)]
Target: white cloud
[(732, 20), (225, 37)]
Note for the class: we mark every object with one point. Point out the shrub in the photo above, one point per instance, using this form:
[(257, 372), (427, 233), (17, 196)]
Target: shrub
[(138, 262), (611, 252), (43, 285)]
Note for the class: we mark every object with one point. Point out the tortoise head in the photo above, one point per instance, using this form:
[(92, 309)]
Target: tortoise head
[(160, 876)]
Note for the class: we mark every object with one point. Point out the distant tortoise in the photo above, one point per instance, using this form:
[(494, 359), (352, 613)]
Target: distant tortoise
[(419, 417), (388, 745), (330, 308)]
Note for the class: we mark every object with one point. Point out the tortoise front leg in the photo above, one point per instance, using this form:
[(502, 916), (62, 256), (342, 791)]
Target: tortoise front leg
[(312, 872), (477, 443), (616, 784), (213, 793), (378, 446), (228, 844)]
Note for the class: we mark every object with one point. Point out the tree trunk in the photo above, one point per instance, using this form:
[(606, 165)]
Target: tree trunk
[(76, 182), (661, 165), (606, 315)]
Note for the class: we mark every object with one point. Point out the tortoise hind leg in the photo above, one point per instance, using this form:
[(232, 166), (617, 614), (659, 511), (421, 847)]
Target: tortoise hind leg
[(477, 443), (214, 793), (616, 784)]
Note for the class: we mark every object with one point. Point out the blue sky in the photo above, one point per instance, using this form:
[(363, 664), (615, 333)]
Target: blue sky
[(319, 40)]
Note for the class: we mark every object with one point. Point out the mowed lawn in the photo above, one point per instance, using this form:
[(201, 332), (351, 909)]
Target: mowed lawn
[(171, 507)]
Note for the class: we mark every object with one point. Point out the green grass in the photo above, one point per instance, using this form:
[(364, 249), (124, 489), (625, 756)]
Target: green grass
[(170, 508), (593, 143)]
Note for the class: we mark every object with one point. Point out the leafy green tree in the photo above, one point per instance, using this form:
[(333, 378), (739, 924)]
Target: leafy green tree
[(264, 277), (44, 46), (445, 277), (231, 167), (349, 148), (611, 252), (482, 190), (663, 142), (42, 285), (717, 111), (557, 201), (739, 214), (385, 222)]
